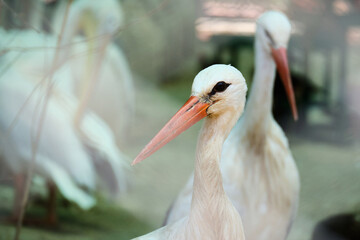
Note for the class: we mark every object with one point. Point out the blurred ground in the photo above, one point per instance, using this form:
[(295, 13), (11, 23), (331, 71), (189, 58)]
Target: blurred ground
[(330, 177)]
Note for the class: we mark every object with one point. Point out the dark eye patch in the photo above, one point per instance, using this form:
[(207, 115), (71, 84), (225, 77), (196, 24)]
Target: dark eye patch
[(219, 87), (270, 37)]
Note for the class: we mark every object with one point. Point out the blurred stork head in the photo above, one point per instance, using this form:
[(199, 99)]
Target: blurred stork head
[(273, 29), (93, 18), (110, 16), (273, 34)]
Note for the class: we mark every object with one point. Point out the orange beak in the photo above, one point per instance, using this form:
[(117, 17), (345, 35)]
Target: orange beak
[(189, 114), (279, 55)]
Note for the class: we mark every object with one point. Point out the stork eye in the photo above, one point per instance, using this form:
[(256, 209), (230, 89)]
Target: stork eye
[(269, 37), (219, 87)]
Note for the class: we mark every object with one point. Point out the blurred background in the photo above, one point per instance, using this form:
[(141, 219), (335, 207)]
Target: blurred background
[(131, 64)]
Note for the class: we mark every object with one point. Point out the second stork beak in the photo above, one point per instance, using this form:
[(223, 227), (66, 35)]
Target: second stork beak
[(279, 55), (189, 114)]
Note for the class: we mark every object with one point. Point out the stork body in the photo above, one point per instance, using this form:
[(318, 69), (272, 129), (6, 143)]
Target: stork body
[(99, 21), (77, 149), (60, 153), (69, 157), (260, 175), (218, 93)]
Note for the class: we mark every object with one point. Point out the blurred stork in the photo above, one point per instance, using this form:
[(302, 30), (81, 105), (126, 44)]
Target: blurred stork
[(99, 22), (260, 175), (218, 93), (76, 148)]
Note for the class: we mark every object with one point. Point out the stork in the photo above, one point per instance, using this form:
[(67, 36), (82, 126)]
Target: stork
[(218, 95), (260, 174), (77, 149), (99, 21)]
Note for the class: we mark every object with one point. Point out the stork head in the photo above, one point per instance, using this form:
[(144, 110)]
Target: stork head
[(273, 29), (273, 32), (217, 91), (95, 18), (110, 16), (221, 86)]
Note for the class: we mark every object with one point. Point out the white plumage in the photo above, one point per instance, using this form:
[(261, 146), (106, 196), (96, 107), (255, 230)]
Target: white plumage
[(218, 93), (19, 130), (99, 21), (77, 158), (259, 173)]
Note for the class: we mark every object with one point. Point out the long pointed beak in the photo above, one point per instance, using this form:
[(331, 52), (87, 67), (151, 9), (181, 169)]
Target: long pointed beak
[(189, 114), (280, 57)]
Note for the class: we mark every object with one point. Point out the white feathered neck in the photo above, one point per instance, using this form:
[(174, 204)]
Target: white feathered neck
[(212, 213), (258, 113)]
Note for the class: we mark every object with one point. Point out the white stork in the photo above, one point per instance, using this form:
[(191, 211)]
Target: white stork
[(260, 175), (99, 22), (218, 95), (76, 148)]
